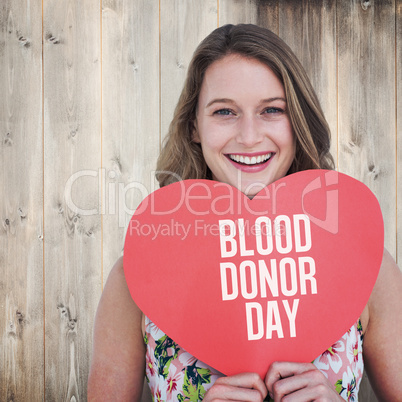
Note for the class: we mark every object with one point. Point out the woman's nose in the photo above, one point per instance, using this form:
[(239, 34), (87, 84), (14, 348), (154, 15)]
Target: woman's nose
[(249, 133)]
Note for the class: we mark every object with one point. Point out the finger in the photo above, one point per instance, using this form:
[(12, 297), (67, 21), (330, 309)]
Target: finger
[(290, 385), (279, 370), (319, 392), (227, 393), (247, 381)]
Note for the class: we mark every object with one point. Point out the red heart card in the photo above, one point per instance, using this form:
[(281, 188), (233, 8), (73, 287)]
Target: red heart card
[(241, 283)]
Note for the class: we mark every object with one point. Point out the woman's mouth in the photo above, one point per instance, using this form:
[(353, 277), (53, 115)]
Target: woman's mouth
[(250, 160), (250, 163)]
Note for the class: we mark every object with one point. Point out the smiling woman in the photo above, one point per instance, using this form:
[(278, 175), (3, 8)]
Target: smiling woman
[(247, 116), (242, 124), (225, 66)]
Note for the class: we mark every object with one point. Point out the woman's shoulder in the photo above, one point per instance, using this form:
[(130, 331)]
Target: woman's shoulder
[(388, 286), (117, 271), (116, 287)]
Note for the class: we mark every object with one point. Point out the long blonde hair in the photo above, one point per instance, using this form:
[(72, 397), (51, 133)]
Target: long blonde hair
[(181, 158)]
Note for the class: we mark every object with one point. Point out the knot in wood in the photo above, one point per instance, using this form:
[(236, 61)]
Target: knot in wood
[(20, 317), (374, 171), (71, 324), (134, 65), (8, 140), (63, 311), (24, 41), (52, 39), (116, 165), (353, 145), (11, 330), (365, 4)]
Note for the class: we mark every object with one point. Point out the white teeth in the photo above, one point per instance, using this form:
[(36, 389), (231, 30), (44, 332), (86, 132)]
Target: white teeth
[(250, 161)]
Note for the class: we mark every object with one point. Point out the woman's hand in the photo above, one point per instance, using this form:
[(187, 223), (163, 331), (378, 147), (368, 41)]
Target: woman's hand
[(301, 382), (240, 387)]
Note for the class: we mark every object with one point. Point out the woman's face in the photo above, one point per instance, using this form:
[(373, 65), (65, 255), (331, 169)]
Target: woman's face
[(242, 124)]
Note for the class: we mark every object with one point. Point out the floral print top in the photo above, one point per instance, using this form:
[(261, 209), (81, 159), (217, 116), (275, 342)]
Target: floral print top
[(175, 375)]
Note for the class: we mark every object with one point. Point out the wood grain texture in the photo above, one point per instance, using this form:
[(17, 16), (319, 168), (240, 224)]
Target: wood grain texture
[(264, 13), (72, 138), (21, 203), (184, 24), (366, 98), (310, 31), (130, 115), (398, 78), (238, 12), (111, 79), (268, 15), (366, 113)]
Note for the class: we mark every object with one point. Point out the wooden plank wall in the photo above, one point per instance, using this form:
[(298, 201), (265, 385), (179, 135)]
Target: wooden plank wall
[(88, 91), (21, 204)]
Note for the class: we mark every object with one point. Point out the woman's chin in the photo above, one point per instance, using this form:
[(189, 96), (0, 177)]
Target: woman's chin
[(252, 189)]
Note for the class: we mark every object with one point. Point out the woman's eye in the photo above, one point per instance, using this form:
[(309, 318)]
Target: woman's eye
[(223, 112), (273, 110)]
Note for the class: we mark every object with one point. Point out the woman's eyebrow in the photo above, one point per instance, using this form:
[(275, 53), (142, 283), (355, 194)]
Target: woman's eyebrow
[(231, 101), (268, 100), (220, 100)]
